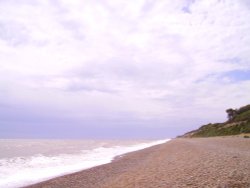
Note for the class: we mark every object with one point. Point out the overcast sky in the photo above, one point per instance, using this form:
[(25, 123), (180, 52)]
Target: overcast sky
[(120, 69)]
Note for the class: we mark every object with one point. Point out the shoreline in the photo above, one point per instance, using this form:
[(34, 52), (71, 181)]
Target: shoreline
[(95, 157), (182, 162)]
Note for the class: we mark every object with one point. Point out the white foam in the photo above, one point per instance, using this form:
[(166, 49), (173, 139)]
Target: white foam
[(22, 171)]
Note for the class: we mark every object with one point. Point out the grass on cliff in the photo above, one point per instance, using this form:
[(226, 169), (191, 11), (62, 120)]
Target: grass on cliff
[(243, 116), (238, 123), (222, 130)]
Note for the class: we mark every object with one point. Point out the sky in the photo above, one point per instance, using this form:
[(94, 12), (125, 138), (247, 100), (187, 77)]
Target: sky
[(120, 69)]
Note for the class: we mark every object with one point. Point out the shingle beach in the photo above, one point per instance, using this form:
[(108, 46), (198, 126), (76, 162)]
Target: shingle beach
[(221, 162)]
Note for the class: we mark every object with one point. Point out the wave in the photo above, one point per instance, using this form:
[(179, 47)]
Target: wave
[(22, 171)]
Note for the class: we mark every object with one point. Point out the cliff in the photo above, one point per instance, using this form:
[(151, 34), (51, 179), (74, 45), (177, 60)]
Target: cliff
[(238, 123)]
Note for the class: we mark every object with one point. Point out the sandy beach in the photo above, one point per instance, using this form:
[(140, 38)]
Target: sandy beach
[(222, 162)]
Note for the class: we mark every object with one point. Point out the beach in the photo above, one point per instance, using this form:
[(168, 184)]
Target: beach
[(221, 162)]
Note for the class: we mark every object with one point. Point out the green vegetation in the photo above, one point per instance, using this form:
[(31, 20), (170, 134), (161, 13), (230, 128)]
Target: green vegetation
[(238, 123), (240, 114), (243, 116)]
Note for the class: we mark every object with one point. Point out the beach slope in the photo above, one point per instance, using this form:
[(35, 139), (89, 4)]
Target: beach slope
[(183, 162)]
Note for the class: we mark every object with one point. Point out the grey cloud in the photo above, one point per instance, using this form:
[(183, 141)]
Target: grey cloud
[(20, 2), (235, 60), (75, 82), (88, 87), (14, 33), (187, 7), (245, 3), (75, 28), (148, 6), (117, 71), (108, 76)]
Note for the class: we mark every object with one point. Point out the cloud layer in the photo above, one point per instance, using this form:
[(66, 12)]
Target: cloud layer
[(122, 64)]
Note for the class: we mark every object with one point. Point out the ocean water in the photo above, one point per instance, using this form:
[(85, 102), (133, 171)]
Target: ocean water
[(24, 162)]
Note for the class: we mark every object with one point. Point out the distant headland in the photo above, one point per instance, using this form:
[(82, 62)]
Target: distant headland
[(238, 123)]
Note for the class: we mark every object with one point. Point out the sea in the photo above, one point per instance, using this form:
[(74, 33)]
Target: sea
[(27, 161)]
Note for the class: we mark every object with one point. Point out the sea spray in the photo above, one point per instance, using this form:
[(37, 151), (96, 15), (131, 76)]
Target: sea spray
[(28, 169)]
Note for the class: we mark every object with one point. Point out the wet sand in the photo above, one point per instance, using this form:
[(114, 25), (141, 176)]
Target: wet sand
[(222, 162)]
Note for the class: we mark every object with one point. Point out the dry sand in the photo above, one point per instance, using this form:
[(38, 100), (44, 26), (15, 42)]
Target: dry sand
[(200, 162)]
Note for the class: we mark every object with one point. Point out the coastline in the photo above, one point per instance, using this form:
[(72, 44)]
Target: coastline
[(182, 162), (30, 162)]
